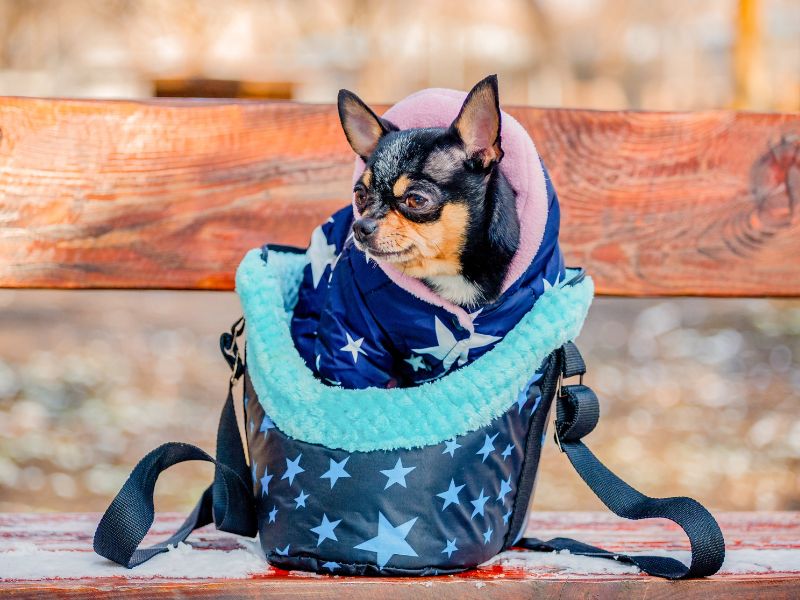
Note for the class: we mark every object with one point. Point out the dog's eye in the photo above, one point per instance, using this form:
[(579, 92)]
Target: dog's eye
[(415, 201), (361, 198)]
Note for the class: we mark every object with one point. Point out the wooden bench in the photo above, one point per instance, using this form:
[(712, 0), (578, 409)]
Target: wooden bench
[(763, 560), (169, 194)]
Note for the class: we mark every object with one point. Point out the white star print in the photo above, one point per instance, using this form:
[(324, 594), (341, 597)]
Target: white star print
[(449, 350), (390, 541), (353, 347), (476, 314), (557, 283), (320, 254), (416, 363)]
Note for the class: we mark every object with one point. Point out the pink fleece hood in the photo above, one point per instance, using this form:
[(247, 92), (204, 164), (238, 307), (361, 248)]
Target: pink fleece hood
[(438, 107)]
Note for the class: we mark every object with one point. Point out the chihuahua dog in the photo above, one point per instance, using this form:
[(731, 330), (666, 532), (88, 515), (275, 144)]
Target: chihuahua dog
[(432, 202), (435, 212)]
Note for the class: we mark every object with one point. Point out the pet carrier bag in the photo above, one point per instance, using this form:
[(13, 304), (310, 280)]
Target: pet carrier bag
[(425, 480)]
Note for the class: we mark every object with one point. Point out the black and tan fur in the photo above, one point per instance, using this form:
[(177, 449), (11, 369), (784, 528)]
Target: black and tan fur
[(432, 201)]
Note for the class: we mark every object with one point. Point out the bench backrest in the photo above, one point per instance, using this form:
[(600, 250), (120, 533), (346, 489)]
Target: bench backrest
[(171, 193)]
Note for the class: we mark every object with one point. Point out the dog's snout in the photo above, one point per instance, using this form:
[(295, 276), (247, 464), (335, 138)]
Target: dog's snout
[(364, 228)]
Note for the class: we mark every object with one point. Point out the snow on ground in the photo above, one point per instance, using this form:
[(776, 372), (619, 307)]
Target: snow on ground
[(736, 562), (27, 562)]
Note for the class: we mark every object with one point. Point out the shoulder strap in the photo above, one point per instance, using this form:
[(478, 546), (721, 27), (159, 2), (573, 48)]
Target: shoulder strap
[(227, 502), (577, 412)]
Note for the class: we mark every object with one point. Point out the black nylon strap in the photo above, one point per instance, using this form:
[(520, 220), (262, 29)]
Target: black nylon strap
[(576, 415), (577, 412), (227, 502), (571, 361)]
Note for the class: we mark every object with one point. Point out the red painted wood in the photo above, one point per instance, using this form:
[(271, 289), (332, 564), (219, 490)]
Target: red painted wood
[(743, 531), (170, 194)]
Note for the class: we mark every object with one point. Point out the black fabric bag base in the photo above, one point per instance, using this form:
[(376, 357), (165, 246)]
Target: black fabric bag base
[(230, 503), (291, 508)]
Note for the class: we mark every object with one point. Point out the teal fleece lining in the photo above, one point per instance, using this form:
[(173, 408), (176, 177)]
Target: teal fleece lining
[(386, 419)]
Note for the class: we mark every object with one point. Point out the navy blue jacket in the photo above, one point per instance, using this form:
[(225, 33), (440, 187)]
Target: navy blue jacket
[(356, 328)]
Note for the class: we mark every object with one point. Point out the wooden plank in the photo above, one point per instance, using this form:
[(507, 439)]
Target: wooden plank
[(749, 536), (170, 194), (774, 588)]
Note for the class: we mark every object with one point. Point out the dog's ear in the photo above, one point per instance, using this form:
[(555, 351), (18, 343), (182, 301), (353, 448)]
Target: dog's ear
[(478, 123), (362, 127)]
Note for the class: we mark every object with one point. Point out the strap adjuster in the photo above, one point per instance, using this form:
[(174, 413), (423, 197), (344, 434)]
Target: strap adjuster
[(577, 407), (577, 413), (230, 350)]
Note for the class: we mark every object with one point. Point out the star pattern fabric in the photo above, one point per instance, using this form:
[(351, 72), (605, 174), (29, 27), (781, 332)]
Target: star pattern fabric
[(480, 505), (488, 446), (450, 447), (487, 535), (450, 495), (390, 540), (293, 468), (522, 400), (450, 547), (557, 282), (522, 397), (397, 474), (505, 488), (265, 483), (450, 350), (325, 529), (507, 452), (353, 347), (300, 501), (416, 363), (319, 255), (336, 471), (382, 508)]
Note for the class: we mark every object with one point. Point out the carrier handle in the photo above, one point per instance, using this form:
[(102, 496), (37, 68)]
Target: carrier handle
[(227, 502), (576, 415)]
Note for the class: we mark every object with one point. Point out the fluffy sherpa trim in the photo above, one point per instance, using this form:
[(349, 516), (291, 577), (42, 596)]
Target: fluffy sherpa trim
[(438, 107), (385, 419)]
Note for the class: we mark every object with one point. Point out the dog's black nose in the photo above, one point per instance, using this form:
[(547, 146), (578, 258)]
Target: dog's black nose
[(363, 228)]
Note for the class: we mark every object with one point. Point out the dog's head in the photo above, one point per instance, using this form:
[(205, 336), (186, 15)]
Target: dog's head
[(423, 192)]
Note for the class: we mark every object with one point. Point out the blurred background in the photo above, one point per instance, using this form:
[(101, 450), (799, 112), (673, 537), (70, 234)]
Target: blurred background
[(700, 396)]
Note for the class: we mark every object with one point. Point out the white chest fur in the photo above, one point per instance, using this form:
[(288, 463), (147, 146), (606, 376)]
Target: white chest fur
[(456, 289)]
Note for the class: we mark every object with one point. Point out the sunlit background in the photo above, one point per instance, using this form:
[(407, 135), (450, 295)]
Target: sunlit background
[(700, 397)]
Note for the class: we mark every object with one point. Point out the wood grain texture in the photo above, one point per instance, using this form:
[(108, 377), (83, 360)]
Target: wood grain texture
[(743, 531), (170, 194)]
